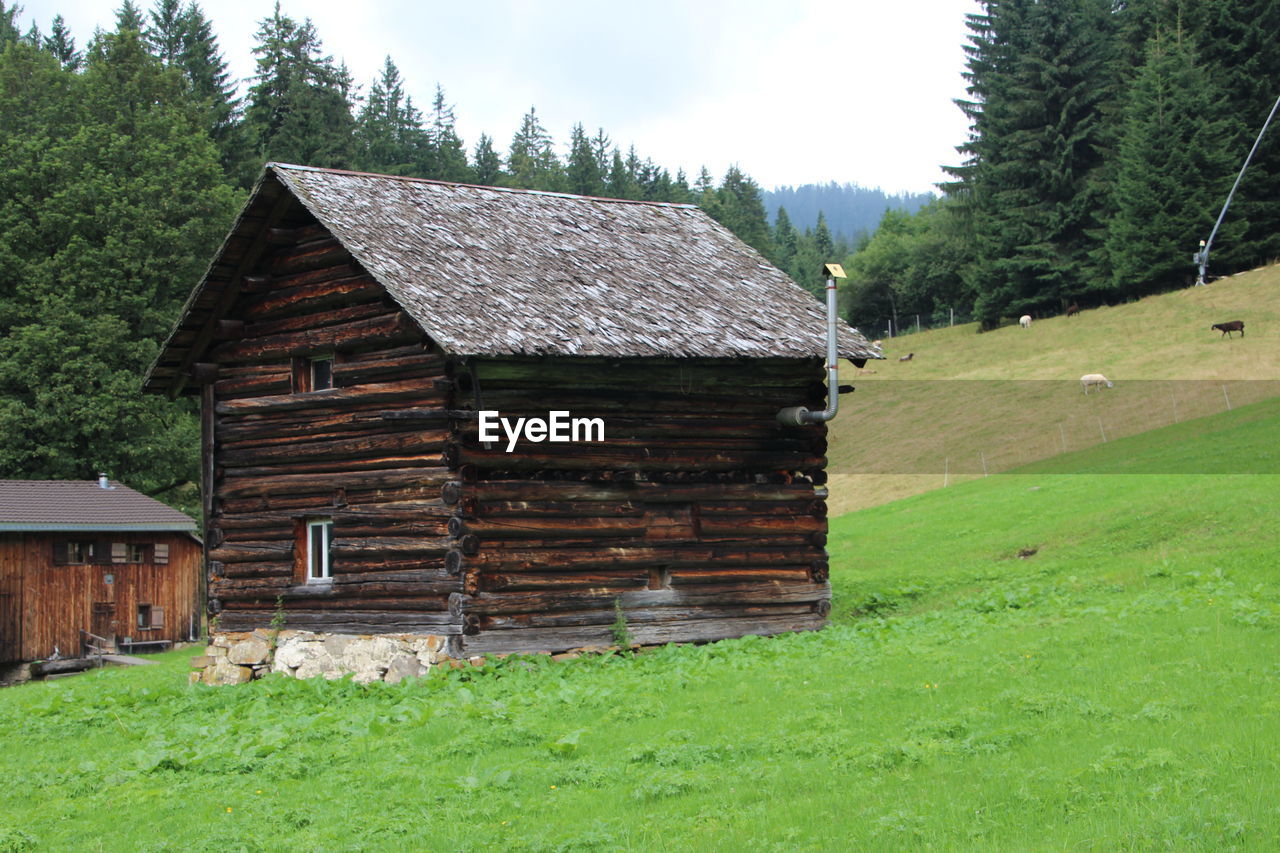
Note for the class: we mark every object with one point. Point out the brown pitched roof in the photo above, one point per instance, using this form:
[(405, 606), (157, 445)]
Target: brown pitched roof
[(490, 271), (31, 505)]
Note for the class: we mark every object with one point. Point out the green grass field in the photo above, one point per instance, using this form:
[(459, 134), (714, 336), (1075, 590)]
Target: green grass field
[(1044, 660), (1012, 396)]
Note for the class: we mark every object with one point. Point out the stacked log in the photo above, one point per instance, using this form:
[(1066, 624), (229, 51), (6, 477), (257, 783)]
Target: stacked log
[(697, 516), (282, 457)]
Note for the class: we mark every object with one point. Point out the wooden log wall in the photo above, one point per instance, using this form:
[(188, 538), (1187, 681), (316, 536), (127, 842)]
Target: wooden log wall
[(367, 453), (699, 515)]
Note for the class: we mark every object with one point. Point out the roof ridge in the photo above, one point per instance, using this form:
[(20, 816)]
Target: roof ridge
[(517, 190)]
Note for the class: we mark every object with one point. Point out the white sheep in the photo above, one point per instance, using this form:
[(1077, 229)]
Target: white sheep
[(1095, 380), (1025, 321)]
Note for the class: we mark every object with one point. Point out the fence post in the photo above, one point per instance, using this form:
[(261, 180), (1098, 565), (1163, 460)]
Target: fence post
[(1225, 397)]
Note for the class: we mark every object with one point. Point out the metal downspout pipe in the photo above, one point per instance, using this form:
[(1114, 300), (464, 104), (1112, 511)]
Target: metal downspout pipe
[(799, 415)]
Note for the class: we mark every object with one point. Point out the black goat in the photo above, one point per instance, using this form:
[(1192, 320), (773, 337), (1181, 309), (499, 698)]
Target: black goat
[(1228, 328)]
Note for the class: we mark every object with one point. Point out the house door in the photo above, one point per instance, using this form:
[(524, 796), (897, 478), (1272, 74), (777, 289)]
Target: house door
[(10, 628), (104, 621)]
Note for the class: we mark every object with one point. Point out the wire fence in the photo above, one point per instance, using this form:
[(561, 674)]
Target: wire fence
[(884, 328), (960, 429)]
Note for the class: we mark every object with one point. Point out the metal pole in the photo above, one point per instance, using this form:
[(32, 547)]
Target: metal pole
[(1203, 256)]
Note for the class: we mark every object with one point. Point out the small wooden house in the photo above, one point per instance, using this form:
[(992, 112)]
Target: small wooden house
[(359, 343), (81, 558)]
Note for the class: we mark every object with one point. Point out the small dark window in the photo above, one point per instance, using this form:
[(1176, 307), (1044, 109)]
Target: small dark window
[(72, 553), (137, 553), (150, 617), (321, 373), (312, 374)]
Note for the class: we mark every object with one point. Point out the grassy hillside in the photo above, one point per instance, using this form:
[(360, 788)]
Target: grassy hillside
[(1039, 661), (1008, 397)]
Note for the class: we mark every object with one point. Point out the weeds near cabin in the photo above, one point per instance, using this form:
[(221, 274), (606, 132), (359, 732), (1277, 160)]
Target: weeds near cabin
[(276, 626), (619, 630)]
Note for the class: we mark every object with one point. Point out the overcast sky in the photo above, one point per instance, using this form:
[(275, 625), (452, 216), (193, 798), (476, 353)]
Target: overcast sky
[(793, 91)]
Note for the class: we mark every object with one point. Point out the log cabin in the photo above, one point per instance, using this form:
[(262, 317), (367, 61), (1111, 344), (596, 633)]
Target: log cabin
[(364, 348), (80, 558)]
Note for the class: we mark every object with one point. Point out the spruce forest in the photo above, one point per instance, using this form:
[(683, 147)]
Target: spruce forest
[(1104, 136)]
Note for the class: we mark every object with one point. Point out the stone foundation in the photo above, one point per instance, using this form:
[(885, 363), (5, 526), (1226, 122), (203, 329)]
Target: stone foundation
[(236, 657)]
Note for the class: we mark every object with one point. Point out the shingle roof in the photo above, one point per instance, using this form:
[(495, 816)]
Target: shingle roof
[(33, 505), (491, 271)]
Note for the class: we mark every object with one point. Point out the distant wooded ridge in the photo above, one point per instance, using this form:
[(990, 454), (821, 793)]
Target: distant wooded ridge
[(852, 212)]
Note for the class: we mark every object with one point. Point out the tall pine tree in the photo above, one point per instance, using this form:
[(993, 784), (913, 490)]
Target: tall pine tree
[(299, 110), (583, 172), (532, 161), (487, 163), (1173, 171), (389, 133), (450, 155), (1039, 77)]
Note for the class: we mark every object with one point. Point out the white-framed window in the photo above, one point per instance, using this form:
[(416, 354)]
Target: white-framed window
[(319, 537), (136, 553)]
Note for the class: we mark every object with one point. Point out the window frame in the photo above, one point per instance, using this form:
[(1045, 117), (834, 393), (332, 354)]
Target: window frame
[(324, 528), (149, 617), (304, 372), (73, 552), (312, 382)]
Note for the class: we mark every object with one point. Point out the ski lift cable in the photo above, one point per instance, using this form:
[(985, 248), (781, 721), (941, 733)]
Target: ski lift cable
[(1203, 256)]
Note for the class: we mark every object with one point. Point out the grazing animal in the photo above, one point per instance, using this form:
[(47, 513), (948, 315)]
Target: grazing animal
[(1095, 380), (1025, 321), (907, 357), (1073, 309), (1228, 328)]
